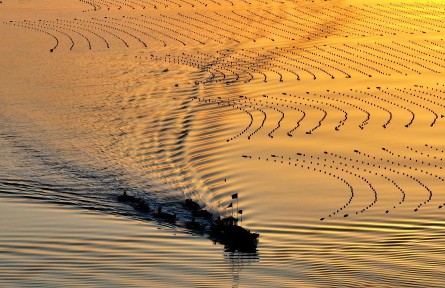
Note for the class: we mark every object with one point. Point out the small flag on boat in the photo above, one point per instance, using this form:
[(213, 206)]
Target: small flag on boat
[(235, 196), (230, 205), (240, 211)]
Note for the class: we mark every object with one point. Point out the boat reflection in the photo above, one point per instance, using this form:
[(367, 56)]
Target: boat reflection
[(238, 261)]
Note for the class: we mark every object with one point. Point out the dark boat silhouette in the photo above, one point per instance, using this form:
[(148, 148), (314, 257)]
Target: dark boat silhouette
[(141, 205), (223, 230), (196, 209), (126, 198), (194, 225), (202, 213), (191, 205), (171, 217), (234, 237), (137, 203)]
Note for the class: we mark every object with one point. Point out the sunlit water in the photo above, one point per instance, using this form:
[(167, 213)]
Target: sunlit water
[(326, 117)]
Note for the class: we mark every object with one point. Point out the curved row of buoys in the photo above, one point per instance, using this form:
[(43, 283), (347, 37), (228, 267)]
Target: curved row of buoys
[(362, 165)]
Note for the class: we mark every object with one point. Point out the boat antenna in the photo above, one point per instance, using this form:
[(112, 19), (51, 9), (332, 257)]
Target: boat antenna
[(235, 196), (231, 206)]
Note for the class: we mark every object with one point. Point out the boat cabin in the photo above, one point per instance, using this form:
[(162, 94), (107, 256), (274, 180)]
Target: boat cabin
[(229, 221)]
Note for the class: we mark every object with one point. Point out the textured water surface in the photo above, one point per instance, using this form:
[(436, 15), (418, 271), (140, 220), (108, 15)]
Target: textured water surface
[(326, 117)]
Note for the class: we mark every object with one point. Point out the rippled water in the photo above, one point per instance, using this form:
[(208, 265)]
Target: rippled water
[(326, 117)]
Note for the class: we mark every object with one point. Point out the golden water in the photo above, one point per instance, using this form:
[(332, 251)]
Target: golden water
[(326, 117)]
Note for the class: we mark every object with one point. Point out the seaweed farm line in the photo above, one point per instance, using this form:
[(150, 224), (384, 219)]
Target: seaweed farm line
[(326, 118)]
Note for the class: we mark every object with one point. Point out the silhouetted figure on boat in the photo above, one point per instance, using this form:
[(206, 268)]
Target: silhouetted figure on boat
[(164, 215), (125, 197)]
